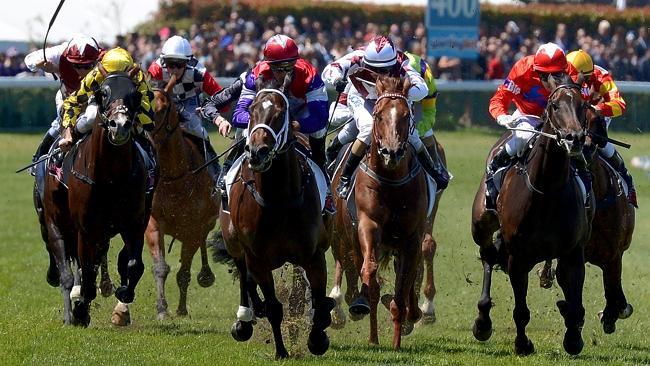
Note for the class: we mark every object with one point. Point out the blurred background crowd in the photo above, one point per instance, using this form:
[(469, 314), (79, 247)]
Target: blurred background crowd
[(229, 47)]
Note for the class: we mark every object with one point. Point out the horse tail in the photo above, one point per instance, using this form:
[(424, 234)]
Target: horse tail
[(220, 254)]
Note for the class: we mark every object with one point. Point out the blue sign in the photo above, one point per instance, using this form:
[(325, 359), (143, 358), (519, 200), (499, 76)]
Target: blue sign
[(452, 28)]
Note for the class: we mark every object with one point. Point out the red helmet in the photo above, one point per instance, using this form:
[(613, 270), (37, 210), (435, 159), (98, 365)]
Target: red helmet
[(549, 58), (280, 48), (82, 50)]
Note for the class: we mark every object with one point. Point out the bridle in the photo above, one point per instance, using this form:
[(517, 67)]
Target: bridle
[(165, 121), (393, 95), (546, 117), (281, 137)]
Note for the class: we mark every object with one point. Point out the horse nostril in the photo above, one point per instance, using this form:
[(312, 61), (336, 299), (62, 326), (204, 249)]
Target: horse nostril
[(263, 152), (247, 148), (112, 123)]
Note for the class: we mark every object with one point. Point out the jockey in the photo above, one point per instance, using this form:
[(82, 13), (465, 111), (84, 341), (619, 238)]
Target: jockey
[(70, 62), (527, 85), (599, 88), (381, 57), (192, 78), (306, 94)]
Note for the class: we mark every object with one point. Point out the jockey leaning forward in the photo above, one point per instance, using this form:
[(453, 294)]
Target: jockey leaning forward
[(70, 61), (600, 90), (528, 87), (306, 94), (424, 116), (192, 78)]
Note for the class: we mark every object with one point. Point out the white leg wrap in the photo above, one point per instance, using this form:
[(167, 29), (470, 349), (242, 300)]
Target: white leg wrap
[(75, 293), (336, 295), (244, 314), (427, 307)]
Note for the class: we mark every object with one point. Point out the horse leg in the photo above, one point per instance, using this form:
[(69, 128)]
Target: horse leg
[(274, 313), (242, 329), (616, 305), (546, 275), (53, 276), (338, 315), (521, 314), (184, 275), (205, 278), (258, 305), (130, 265), (105, 284), (405, 273), (368, 237), (482, 329), (156, 243), (87, 258), (429, 247), (56, 248), (571, 277), (316, 272)]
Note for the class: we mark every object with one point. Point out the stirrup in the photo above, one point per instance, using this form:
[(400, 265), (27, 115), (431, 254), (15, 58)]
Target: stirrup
[(328, 206), (343, 189)]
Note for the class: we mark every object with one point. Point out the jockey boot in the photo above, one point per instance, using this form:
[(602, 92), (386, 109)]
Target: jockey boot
[(317, 146), (617, 162), (214, 168), (500, 159), (586, 178), (44, 147), (434, 169), (233, 155), (349, 167), (150, 163), (333, 150)]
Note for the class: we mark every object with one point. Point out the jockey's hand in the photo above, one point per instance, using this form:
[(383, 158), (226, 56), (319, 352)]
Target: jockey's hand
[(46, 66), (506, 120), (223, 126), (341, 85)]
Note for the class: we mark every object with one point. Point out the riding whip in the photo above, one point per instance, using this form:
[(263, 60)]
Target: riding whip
[(42, 159), (615, 142), (56, 12), (336, 104), (218, 156)]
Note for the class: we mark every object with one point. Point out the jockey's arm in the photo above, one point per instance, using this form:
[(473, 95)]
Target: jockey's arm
[(429, 102), (222, 99), (611, 104), (316, 118), (35, 60), (145, 114), (500, 101), (418, 88), (75, 103), (241, 115)]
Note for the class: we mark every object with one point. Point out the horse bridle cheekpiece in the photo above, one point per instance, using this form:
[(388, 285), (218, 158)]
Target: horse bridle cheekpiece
[(281, 136), (402, 97), (562, 141), (117, 87)]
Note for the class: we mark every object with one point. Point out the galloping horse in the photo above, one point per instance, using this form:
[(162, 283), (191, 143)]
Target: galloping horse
[(105, 196), (542, 214), (183, 204), (274, 218), (391, 204), (611, 235)]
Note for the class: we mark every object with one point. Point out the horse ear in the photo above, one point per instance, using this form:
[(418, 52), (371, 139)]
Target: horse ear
[(258, 83), (581, 79), (379, 85), (406, 86), (170, 84), (286, 82)]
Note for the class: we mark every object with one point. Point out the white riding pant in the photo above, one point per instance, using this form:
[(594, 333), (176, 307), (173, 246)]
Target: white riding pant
[(362, 112), (55, 126), (516, 145), (190, 120), (339, 114)]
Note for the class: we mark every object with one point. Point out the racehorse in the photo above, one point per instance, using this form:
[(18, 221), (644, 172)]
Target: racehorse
[(542, 214), (274, 218), (345, 265), (183, 204), (391, 205), (611, 235), (105, 196)]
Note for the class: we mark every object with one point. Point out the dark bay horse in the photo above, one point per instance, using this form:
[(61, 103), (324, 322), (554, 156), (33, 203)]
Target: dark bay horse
[(391, 204), (611, 235), (183, 204), (105, 196), (542, 215), (274, 218), (345, 266)]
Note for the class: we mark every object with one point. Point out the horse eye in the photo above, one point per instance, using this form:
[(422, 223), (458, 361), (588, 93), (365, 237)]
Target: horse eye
[(554, 106)]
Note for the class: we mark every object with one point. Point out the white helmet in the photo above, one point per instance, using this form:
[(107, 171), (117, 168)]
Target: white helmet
[(178, 48), (380, 52)]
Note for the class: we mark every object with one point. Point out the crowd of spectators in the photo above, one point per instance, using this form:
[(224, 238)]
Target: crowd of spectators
[(229, 47)]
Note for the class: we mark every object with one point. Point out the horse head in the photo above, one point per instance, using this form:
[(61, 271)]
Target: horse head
[(118, 103), (392, 119), (164, 111), (269, 127), (565, 115)]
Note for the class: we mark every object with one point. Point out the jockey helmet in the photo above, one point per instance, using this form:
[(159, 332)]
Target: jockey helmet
[(117, 59), (549, 58), (177, 47), (380, 53), (280, 48), (581, 61), (82, 50)]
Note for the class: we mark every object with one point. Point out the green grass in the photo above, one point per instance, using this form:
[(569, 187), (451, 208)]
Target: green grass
[(31, 330)]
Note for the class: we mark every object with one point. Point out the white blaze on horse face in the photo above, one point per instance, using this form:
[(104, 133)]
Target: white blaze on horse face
[(266, 104)]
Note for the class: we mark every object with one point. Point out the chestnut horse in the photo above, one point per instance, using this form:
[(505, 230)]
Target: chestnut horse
[(611, 235), (542, 214), (275, 217), (391, 203), (105, 196), (345, 265), (183, 204)]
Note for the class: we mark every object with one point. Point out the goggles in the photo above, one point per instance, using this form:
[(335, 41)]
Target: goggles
[(283, 67), (175, 64), (83, 66)]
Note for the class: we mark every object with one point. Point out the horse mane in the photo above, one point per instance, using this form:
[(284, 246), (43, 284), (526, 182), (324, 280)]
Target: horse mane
[(262, 83), (563, 79)]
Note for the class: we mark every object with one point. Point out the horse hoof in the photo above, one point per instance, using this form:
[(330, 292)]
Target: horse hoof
[(356, 317), (241, 331), (121, 318), (609, 327), (524, 348), (428, 318), (106, 288), (80, 314), (124, 295), (338, 318), (205, 278), (627, 312), (407, 328), (482, 330), (162, 316), (573, 342), (53, 278), (318, 343), (386, 300), (360, 306), (281, 355), (181, 312)]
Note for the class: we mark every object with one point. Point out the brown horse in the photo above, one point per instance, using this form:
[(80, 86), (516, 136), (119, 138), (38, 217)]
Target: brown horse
[(390, 197), (611, 235), (275, 217), (345, 265), (542, 215), (183, 204), (105, 197)]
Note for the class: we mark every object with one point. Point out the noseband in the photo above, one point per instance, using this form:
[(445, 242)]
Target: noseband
[(281, 136)]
